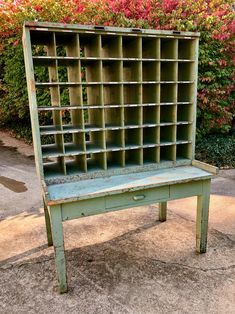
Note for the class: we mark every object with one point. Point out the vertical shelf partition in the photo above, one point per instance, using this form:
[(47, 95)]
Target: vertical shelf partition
[(113, 99)]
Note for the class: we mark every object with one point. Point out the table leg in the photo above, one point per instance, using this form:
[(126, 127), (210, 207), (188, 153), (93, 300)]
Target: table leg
[(202, 217), (58, 241), (48, 225), (162, 211)]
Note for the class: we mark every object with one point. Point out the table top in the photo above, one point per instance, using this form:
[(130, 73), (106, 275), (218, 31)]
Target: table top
[(86, 189)]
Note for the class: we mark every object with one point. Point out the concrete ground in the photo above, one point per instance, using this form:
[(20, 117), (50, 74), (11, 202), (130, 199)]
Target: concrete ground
[(120, 262)]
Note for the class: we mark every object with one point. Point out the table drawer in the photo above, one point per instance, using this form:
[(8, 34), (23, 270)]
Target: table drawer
[(141, 197)]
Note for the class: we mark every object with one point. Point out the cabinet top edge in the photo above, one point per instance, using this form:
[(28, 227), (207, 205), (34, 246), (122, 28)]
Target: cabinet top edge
[(100, 29)]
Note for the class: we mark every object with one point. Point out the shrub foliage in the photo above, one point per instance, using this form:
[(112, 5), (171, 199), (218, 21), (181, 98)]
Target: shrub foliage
[(213, 18)]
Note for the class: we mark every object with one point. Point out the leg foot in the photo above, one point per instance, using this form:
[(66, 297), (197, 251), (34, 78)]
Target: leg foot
[(162, 211), (202, 218)]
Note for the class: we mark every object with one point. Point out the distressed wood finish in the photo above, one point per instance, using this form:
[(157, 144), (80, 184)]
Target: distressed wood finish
[(120, 114)]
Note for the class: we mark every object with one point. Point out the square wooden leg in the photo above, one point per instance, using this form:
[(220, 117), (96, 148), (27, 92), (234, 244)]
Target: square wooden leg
[(48, 225), (162, 211), (202, 217), (58, 241)]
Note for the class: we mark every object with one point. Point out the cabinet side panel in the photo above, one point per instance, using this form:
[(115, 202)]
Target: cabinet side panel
[(32, 101)]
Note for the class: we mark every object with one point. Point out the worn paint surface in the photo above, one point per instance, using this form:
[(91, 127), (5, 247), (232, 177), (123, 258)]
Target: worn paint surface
[(123, 183), (142, 167)]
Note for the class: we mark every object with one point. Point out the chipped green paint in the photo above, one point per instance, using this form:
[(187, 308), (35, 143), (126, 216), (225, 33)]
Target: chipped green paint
[(129, 141)]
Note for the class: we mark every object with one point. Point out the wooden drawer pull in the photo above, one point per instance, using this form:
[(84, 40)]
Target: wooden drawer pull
[(138, 197)]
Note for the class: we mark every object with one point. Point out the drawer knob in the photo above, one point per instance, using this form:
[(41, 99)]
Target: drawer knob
[(138, 197)]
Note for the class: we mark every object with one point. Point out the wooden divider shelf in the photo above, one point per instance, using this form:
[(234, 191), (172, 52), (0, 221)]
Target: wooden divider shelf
[(113, 99)]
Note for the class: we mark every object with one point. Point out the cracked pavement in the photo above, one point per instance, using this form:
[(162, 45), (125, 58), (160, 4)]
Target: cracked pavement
[(119, 262)]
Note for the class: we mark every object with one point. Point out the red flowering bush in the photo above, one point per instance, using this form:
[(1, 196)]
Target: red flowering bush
[(213, 18)]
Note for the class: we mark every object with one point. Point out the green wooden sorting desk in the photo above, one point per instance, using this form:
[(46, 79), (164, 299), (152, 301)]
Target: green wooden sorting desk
[(113, 115)]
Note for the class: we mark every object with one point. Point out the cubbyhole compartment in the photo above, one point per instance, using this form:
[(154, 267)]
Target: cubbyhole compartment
[(167, 113), (167, 134), (150, 155), (112, 71), (168, 48), (168, 71), (95, 141), (184, 132), (64, 99), (168, 93), (74, 143), (133, 137), (150, 115), (96, 162), (49, 120), (94, 95), (185, 71), (131, 47), (39, 41), (112, 95), (113, 117), (41, 73), (64, 39), (93, 118), (185, 92), (150, 93), (91, 45), (43, 97), (151, 71), (150, 48), (53, 167), (150, 136), (66, 119), (184, 151), (132, 116), (167, 153), (133, 157), (75, 96), (61, 51), (47, 139), (186, 49), (62, 74), (72, 120), (111, 46), (131, 71), (185, 113), (115, 160), (114, 139), (132, 94), (91, 71), (75, 164), (52, 145)]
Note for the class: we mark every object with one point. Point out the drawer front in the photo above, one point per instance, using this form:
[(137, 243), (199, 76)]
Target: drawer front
[(131, 199), (185, 189), (83, 208)]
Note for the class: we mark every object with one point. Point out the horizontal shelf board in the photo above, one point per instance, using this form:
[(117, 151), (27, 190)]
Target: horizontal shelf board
[(183, 122), (71, 84), (86, 107), (92, 149), (42, 60), (50, 129), (167, 143), (73, 129)]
